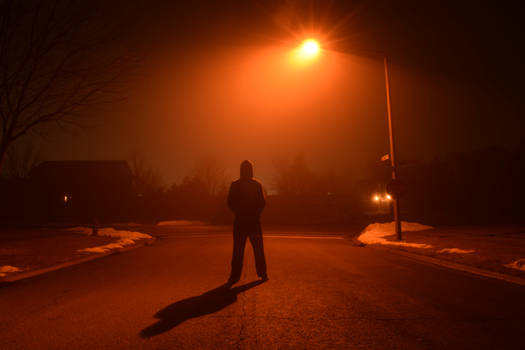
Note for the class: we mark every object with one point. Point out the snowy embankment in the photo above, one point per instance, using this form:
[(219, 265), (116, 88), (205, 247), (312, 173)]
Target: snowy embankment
[(376, 233), (456, 250), (125, 238), (518, 265), (4, 270)]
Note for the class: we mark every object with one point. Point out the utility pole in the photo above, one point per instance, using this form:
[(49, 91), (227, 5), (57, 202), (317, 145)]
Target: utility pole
[(393, 163)]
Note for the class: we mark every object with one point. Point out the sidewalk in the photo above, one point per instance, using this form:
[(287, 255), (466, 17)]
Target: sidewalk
[(27, 251), (499, 249)]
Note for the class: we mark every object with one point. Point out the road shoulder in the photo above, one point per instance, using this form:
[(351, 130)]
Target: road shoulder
[(29, 253), (453, 265)]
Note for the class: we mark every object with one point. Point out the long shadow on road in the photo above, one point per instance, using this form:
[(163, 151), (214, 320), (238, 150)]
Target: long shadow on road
[(211, 301)]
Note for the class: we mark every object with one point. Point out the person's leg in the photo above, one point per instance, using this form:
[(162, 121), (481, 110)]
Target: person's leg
[(256, 240), (239, 242)]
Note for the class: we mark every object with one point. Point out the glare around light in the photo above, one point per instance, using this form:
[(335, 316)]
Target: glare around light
[(388, 197), (309, 48), (376, 198)]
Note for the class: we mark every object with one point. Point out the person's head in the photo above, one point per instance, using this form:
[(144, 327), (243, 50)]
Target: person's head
[(246, 170)]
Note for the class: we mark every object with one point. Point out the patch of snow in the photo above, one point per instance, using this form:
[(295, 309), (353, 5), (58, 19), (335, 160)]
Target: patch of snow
[(375, 233), (125, 238), (121, 243), (518, 264), (111, 232), (4, 270), (180, 223), (456, 250)]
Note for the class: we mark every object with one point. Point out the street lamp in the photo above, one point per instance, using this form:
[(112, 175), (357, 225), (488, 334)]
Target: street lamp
[(310, 48), (307, 52)]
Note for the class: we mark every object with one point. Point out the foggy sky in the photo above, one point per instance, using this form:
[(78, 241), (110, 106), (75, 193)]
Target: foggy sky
[(216, 83)]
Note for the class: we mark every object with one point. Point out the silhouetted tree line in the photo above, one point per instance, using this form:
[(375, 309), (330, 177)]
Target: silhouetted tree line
[(303, 196), (484, 186)]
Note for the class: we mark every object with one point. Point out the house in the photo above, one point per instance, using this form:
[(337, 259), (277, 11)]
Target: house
[(82, 191)]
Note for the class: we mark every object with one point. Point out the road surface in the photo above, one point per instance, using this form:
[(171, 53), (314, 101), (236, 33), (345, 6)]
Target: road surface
[(322, 293)]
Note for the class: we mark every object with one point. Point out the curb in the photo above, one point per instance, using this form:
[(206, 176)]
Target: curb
[(357, 242), (454, 266), (38, 272)]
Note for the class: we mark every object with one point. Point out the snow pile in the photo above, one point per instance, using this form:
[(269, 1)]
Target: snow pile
[(4, 270), (180, 223), (111, 232), (456, 250), (121, 243), (518, 264), (375, 233), (125, 238)]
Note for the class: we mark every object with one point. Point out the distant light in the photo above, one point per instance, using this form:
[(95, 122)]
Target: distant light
[(388, 197), (309, 48), (66, 198), (376, 198)]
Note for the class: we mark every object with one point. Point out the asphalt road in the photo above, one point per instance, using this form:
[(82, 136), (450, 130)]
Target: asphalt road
[(322, 293)]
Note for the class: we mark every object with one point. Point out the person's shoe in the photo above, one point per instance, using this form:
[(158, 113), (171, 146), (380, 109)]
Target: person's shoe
[(264, 277)]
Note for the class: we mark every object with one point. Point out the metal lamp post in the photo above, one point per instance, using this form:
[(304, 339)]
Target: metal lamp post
[(309, 49), (393, 164)]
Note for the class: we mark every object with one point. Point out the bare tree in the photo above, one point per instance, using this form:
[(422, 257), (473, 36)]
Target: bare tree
[(145, 178), (54, 61), (294, 177), (212, 173)]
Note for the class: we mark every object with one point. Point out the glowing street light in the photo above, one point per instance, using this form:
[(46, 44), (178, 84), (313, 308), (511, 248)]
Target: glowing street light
[(307, 52), (309, 49)]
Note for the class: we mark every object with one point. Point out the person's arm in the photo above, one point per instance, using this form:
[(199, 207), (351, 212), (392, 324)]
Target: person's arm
[(262, 199), (232, 198)]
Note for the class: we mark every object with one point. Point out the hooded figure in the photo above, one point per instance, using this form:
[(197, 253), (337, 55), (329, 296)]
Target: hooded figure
[(247, 200)]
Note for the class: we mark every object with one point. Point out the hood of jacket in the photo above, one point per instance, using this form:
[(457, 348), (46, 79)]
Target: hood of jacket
[(246, 170)]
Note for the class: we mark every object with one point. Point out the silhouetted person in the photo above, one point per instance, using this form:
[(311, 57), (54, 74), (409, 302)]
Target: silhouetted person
[(246, 199)]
